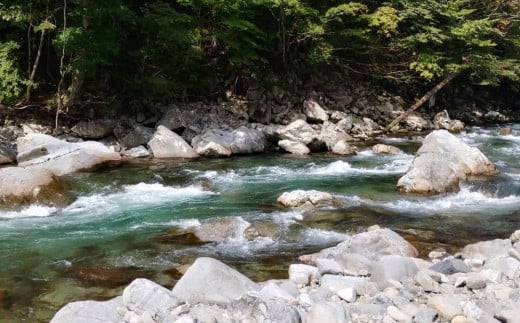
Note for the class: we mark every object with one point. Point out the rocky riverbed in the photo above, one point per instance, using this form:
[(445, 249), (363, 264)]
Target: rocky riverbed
[(373, 276)]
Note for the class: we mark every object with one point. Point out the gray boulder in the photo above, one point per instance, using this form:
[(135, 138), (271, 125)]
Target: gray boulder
[(487, 250), (394, 268), (372, 245), (335, 283), (95, 129), (61, 157), (89, 312), (331, 134), (136, 152), (307, 199), (314, 111), (450, 267), (343, 148), (417, 123), (209, 281), (442, 161), (139, 136), (304, 275), (298, 130), (143, 295), (294, 147), (216, 142), (167, 144), (330, 312)]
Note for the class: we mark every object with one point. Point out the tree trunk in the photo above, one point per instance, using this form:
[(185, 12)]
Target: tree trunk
[(35, 67), (78, 76), (423, 99)]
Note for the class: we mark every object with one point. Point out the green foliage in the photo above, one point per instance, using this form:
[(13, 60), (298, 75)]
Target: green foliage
[(10, 79)]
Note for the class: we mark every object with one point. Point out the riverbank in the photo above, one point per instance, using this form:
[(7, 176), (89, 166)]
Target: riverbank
[(371, 276)]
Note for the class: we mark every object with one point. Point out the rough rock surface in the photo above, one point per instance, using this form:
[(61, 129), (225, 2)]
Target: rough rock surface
[(167, 144), (216, 142), (61, 157), (397, 291), (25, 185), (209, 281), (299, 131), (441, 163), (294, 147), (95, 129), (307, 199), (386, 149)]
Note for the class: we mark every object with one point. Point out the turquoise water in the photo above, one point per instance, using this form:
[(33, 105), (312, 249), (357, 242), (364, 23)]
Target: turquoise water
[(112, 232)]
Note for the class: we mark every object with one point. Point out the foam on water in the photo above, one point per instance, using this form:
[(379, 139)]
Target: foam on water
[(463, 202), (30, 211), (134, 196)]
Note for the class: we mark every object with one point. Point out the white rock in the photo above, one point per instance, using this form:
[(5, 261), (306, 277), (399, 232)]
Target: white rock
[(137, 152), (442, 161), (294, 147), (386, 149), (397, 315), (487, 249), (143, 295), (327, 312), (335, 283), (515, 236), (209, 281), (392, 268), (304, 275), (343, 148), (167, 144), (299, 131), (314, 111), (447, 306), (307, 199), (328, 266), (348, 294), (89, 312)]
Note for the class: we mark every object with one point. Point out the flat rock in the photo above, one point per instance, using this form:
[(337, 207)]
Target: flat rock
[(61, 157), (386, 149), (167, 144), (294, 147), (487, 250), (450, 266), (392, 268), (210, 281), (335, 283), (136, 152), (27, 185), (329, 312), (304, 275), (372, 245), (217, 142), (447, 306), (307, 199), (89, 312), (442, 161)]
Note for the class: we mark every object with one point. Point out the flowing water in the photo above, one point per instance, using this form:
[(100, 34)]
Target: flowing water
[(117, 228)]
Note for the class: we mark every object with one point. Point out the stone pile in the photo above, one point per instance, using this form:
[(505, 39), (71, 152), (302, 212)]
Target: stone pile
[(374, 276)]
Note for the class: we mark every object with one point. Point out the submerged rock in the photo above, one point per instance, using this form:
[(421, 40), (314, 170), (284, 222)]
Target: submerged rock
[(441, 163), (386, 149)]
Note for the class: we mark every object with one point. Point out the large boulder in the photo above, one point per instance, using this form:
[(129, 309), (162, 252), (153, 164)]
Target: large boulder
[(167, 144), (95, 129), (144, 295), (294, 147), (89, 312), (331, 134), (441, 163), (216, 142), (371, 245), (20, 186), (307, 199), (209, 281), (139, 136), (61, 157), (314, 111), (299, 131)]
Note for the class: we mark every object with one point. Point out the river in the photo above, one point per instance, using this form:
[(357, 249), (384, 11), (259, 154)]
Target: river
[(115, 229)]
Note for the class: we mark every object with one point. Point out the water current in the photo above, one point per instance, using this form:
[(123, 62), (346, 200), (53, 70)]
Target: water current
[(115, 229)]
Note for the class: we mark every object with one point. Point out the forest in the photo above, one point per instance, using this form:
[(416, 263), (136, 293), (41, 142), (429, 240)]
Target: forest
[(60, 53)]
